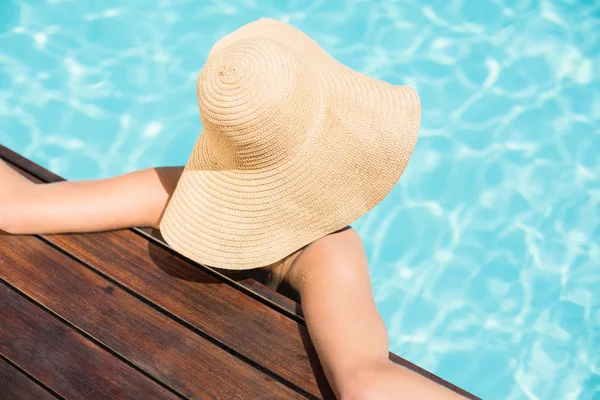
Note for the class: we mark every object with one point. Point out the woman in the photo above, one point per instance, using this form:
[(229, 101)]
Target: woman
[(283, 164)]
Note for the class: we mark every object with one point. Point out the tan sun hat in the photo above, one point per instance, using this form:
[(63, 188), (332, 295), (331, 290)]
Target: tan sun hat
[(294, 146)]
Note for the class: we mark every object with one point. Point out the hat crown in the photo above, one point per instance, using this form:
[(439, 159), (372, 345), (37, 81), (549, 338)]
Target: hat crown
[(249, 93)]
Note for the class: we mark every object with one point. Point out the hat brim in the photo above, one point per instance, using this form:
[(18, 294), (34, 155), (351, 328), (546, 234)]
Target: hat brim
[(240, 219)]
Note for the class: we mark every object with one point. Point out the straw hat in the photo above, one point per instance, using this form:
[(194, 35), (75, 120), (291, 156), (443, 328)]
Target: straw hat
[(294, 146)]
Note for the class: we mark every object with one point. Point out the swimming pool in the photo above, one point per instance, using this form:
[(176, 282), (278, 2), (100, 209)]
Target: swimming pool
[(485, 258)]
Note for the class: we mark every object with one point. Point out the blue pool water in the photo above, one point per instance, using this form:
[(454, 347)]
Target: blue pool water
[(485, 258)]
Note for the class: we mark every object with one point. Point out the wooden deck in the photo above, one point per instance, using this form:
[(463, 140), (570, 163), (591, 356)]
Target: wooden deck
[(120, 315)]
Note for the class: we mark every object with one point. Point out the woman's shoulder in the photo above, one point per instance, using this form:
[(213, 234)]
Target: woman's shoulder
[(340, 247), (346, 236), (340, 254)]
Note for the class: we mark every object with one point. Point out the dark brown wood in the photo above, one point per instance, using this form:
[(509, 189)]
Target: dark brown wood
[(240, 322), (166, 350), (14, 385), (189, 306), (282, 297), (62, 359)]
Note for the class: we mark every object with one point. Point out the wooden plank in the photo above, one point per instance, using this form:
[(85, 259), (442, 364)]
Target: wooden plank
[(15, 385), (287, 306), (251, 281), (62, 359), (166, 350), (203, 301)]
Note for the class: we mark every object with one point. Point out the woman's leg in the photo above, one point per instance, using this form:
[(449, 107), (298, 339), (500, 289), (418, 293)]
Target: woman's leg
[(332, 277), (134, 199)]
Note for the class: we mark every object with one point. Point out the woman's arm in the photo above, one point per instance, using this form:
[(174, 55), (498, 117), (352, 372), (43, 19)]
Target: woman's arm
[(134, 199), (350, 337)]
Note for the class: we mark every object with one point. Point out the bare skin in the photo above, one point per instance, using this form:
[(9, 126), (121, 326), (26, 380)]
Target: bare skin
[(331, 274)]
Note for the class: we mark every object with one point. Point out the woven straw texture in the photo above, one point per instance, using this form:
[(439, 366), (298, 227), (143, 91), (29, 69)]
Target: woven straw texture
[(294, 146)]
